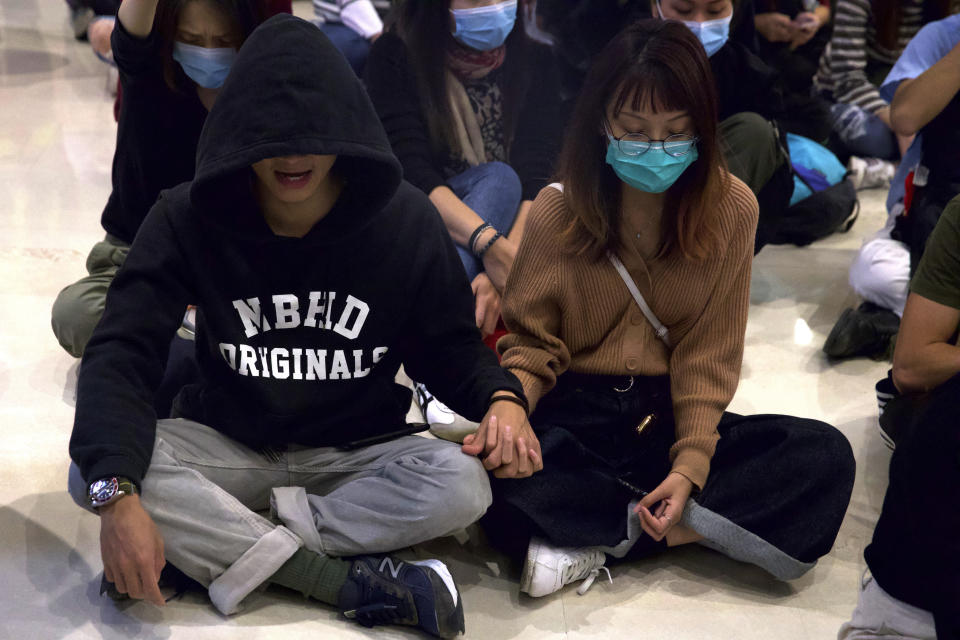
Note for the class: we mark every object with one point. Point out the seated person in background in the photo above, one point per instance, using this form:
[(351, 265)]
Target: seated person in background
[(100, 29), (914, 558), (868, 37), (627, 307), (328, 272), (84, 12), (923, 91), (472, 110), (352, 26), (749, 96), (173, 55), (792, 35)]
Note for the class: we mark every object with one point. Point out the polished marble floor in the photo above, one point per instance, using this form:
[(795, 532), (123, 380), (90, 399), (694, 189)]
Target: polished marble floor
[(56, 144)]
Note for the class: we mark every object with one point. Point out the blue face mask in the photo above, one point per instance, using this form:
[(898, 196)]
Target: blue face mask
[(207, 67), (653, 171), (713, 34), (485, 28)]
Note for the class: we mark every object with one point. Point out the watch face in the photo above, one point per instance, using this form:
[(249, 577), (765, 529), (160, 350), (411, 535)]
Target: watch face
[(103, 490)]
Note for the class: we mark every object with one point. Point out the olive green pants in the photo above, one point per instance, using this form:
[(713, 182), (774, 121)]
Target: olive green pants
[(752, 149), (78, 308)]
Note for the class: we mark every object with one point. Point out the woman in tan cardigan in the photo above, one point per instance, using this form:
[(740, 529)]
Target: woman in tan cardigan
[(628, 405)]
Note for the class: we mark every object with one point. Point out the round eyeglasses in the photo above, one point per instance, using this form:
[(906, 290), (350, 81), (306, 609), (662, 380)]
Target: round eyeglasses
[(636, 144)]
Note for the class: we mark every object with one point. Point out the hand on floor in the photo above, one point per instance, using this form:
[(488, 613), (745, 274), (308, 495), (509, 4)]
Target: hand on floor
[(132, 549)]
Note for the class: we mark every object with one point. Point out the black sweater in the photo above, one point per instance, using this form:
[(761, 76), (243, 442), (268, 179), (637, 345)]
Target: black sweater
[(395, 94), (299, 339), (157, 134), (745, 83)]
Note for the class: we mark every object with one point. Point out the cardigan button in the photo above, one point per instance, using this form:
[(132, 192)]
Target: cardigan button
[(632, 364)]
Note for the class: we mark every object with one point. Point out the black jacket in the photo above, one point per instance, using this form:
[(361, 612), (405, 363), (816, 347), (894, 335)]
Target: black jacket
[(299, 339)]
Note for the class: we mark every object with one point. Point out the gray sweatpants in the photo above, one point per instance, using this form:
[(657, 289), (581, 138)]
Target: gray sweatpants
[(204, 491), (78, 308)]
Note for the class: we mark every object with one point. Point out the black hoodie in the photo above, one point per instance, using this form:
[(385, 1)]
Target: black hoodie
[(299, 339)]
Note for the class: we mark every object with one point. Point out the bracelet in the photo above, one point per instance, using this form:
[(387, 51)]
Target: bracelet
[(514, 399), (483, 251), (471, 245)]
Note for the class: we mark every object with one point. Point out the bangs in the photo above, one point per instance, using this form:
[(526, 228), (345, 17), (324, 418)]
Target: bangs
[(652, 87)]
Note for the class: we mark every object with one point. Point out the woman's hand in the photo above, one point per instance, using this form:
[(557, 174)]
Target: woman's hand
[(498, 260), (487, 301), (505, 441), (774, 27), (672, 495)]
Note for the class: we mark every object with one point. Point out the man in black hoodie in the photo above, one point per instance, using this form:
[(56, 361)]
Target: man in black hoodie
[(325, 274)]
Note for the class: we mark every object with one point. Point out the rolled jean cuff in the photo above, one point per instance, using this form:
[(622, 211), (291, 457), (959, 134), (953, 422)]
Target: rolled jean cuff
[(290, 506), (252, 569), (735, 542)]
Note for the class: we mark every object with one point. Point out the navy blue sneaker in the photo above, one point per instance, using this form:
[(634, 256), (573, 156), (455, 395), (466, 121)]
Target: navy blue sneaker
[(387, 590)]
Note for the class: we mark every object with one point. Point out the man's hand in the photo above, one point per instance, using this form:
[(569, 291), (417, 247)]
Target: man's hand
[(672, 495), (487, 301), (505, 441), (132, 549), (775, 27)]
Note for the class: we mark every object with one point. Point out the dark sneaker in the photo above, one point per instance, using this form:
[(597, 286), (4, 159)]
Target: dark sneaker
[(865, 331), (886, 391), (80, 18), (172, 580), (387, 590)]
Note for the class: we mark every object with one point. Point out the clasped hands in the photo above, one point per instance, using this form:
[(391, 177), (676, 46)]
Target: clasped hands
[(505, 442)]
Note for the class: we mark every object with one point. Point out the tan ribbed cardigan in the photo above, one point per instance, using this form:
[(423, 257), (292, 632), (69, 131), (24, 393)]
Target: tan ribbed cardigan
[(568, 312)]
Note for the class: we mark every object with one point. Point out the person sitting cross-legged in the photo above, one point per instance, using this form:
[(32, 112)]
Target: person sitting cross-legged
[(316, 272)]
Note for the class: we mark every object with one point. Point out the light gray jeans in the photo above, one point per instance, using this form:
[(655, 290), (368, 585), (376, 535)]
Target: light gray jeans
[(204, 491)]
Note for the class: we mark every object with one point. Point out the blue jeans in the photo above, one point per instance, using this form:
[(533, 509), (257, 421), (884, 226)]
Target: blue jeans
[(493, 191), (354, 47), (863, 133)]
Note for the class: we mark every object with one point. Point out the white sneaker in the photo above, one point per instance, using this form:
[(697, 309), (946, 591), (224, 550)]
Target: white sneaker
[(870, 173), (188, 327), (444, 422), (548, 569)]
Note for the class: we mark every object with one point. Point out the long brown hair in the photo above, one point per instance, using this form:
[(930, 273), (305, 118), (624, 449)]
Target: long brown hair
[(656, 64)]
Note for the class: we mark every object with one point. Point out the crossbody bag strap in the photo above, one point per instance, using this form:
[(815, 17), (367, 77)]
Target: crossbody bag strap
[(661, 330)]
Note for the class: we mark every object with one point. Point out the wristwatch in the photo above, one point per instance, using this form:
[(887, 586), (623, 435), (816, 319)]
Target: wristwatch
[(106, 490)]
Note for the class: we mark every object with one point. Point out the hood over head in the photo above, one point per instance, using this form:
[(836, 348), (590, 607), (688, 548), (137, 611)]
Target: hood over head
[(291, 92)]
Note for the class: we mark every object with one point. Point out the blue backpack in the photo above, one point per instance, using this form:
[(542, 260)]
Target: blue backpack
[(823, 201)]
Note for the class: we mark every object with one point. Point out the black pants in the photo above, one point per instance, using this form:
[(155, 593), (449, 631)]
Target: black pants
[(914, 228), (915, 553), (779, 484), (755, 153)]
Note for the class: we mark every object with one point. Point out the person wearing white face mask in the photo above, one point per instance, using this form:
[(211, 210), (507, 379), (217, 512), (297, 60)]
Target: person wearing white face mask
[(471, 106), (172, 56), (754, 109)]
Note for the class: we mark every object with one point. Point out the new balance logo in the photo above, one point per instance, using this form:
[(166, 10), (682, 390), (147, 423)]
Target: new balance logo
[(394, 570)]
